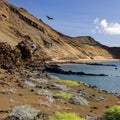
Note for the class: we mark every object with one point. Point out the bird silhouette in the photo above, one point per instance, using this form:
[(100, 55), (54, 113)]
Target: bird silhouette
[(49, 18)]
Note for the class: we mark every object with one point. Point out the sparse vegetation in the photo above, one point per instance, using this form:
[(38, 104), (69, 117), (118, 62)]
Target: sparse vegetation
[(39, 80), (28, 84), (60, 87), (9, 91), (44, 92), (69, 83), (79, 100), (113, 113), (24, 112), (66, 116), (64, 96)]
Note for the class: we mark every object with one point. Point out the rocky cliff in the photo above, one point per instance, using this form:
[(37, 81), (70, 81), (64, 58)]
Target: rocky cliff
[(17, 25)]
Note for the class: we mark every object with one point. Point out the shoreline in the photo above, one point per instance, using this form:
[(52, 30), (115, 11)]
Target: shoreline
[(39, 95), (81, 61), (37, 90), (56, 68)]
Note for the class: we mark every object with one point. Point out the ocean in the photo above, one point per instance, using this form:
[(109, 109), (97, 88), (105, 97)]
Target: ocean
[(110, 83)]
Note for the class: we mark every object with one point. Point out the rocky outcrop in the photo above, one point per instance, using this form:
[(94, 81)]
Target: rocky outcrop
[(115, 51), (25, 49), (10, 58), (58, 70), (19, 56)]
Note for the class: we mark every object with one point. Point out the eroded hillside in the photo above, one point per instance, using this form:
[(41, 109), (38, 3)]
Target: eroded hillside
[(17, 25)]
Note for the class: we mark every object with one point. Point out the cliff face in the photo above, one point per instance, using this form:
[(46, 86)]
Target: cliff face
[(17, 25)]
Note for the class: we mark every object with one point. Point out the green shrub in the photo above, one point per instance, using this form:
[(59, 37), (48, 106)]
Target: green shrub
[(64, 96), (66, 116), (113, 113), (69, 83)]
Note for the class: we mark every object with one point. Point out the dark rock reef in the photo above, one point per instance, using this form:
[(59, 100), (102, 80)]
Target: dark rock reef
[(57, 69)]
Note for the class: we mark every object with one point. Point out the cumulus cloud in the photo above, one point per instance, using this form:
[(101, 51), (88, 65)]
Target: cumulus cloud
[(104, 23), (96, 21), (105, 27)]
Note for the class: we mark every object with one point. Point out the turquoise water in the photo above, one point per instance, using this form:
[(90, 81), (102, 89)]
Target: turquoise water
[(110, 83)]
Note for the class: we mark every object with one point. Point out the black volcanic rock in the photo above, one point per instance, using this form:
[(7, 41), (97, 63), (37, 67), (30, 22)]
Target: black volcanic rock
[(58, 70)]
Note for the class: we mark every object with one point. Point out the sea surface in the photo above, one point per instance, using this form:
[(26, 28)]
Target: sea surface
[(110, 83)]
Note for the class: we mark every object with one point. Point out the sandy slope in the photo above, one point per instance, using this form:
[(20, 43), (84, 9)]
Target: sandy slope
[(6, 38)]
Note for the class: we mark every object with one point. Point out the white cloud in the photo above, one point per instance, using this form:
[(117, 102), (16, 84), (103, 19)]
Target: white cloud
[(96, 21), (108, 28), (104, 23)]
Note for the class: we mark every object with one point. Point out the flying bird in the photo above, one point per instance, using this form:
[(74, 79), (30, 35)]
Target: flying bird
[(49, 18)]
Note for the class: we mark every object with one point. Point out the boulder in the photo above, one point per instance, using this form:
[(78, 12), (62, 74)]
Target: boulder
[(28, 49)]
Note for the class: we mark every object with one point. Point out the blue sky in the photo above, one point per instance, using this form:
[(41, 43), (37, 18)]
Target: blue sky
[(97, 18)]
